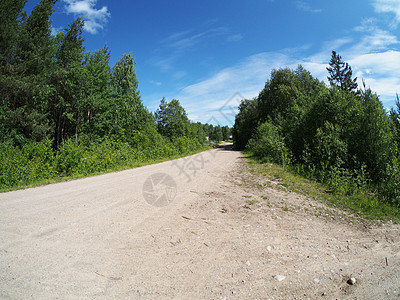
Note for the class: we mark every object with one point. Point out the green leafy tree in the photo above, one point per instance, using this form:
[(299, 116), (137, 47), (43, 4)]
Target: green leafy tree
[(196, 131), (330, 149), (226, 132), (129, 112), (216, 134), (171, 119), (340, 74), (11, 17), (96, 110), (25, 60), (246, 122), (67, 82), (268, 144), (376, 140), (395, 118)]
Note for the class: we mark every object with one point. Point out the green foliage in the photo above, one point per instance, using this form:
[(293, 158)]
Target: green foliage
[(172, 120), (23, 166), (394, 116), (65, 112), (226, 133), (68, 157), (95, 113), (216, 134), (335, 135), (267, 144), (246, 122), (330, 151), (376, 141), (129, 112), (341, 74), (359, 206), (196, 130)]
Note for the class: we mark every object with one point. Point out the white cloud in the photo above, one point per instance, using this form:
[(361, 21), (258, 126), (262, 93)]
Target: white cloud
[(95, 19), (373, 54), (306, 7), (374, 38), (185, 39), (235, 38), (388, 6), (379, 72), (204, 100), (157, 83), (54, 31)]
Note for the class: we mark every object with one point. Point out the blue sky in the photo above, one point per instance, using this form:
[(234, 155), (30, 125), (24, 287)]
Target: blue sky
[(210, 54)]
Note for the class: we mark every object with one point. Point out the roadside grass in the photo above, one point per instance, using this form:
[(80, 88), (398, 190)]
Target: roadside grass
[(364, 205), (118, 168)]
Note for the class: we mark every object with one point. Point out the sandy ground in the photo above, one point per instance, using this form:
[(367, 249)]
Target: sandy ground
[(202, 227)]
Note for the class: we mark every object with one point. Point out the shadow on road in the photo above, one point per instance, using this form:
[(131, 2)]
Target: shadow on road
[(227, 147)]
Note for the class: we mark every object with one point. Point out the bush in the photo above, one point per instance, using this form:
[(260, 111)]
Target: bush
[(23, 166), (69, 157), (267, 144), (36, 161), (330, 151)]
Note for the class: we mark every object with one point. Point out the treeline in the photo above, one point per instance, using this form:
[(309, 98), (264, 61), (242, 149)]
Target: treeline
[(340, 135), (64, 111)]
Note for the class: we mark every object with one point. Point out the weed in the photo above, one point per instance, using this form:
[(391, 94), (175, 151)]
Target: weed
[(252, 202), (363, 204)]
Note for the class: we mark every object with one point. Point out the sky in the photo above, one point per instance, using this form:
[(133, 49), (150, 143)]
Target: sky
[(211, 54)]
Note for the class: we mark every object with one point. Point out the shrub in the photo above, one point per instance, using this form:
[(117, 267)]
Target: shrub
[(267, 144), (23, 166), (68, 157)]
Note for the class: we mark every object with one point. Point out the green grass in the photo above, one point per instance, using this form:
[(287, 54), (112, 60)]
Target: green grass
[(252, 202), (362, 204), (129, 165)]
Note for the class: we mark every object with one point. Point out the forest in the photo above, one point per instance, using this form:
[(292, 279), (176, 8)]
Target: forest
[(65, 112), (339, 135)]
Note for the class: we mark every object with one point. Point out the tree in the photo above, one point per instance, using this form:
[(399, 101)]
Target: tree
[(25, 60), (11, 15), (395, 118), (341, 74), (226, 133), (129, 112), (376, 140), (95, 114), (171, 119), (196, 131), (216, 134), (246, 122), (267, 144), (67, 82)]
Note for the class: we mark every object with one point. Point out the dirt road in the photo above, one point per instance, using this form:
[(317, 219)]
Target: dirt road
[(202, 227)]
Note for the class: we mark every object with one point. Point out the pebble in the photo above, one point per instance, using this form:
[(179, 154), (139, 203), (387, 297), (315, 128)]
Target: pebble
[(316, 280), (280, 277), (269, 249), (351, 281)]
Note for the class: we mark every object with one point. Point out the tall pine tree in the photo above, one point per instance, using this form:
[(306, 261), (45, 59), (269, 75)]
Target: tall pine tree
[(340, 74)]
